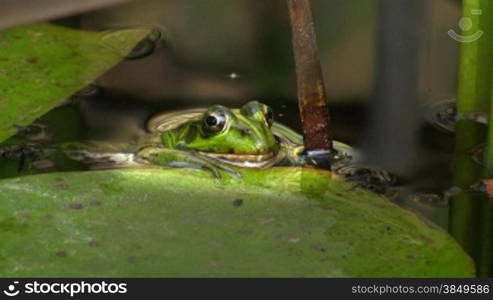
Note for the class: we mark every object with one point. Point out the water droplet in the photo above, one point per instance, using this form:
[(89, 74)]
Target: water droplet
[(234, 76)]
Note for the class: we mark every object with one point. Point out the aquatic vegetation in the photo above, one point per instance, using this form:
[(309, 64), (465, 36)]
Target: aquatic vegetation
[(42, 65), (279, 222), (471, 214)]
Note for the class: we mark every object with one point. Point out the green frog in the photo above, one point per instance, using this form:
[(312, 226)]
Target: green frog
[(216, 139), (220, 138)]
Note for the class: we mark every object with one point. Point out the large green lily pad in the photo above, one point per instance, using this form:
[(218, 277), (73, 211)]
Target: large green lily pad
[(42, 65), (155, 222)]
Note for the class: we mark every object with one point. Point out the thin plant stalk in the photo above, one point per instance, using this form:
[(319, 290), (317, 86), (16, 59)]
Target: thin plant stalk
[(476, 59), (470, 214), (312, 97)]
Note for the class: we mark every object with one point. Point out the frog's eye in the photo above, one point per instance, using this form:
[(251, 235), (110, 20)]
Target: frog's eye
[(214, 122), (259, 111), (269, 116)]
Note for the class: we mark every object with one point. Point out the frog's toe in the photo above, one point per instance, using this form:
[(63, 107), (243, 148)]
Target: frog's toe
[(235, 174), (214, 171), (188, 165)]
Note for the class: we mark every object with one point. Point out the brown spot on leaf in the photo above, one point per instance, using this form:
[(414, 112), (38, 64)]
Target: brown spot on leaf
[(245, 231), (32, 60), (94, 244), (95, 203), (25, 217), (238, 202), (62, 186), (429, 240), (319, 248), (76, 206), (61, 253)]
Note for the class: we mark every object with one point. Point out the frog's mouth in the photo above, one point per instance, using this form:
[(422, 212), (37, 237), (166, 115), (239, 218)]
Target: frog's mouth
[(244, 160)]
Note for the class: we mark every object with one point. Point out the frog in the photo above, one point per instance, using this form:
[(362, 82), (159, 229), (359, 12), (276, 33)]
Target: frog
[(213, 139), (219, 138)]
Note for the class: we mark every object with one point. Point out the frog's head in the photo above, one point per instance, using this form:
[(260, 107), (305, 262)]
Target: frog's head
[(239, 135)]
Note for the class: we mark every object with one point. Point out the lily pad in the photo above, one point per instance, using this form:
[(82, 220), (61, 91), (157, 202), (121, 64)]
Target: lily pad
[(278, 222), (42, 65)]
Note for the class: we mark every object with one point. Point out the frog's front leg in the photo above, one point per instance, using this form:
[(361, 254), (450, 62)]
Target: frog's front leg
[(182, 159)]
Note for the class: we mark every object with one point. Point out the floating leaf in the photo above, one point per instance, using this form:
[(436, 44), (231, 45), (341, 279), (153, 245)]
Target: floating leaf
[(181, 222), (42, 65)]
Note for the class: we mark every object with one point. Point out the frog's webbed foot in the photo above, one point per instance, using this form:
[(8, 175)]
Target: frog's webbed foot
[(191, 165), (182, 159)]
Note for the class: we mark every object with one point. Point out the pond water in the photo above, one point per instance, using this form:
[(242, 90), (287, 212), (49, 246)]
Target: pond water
[(434, 155)]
